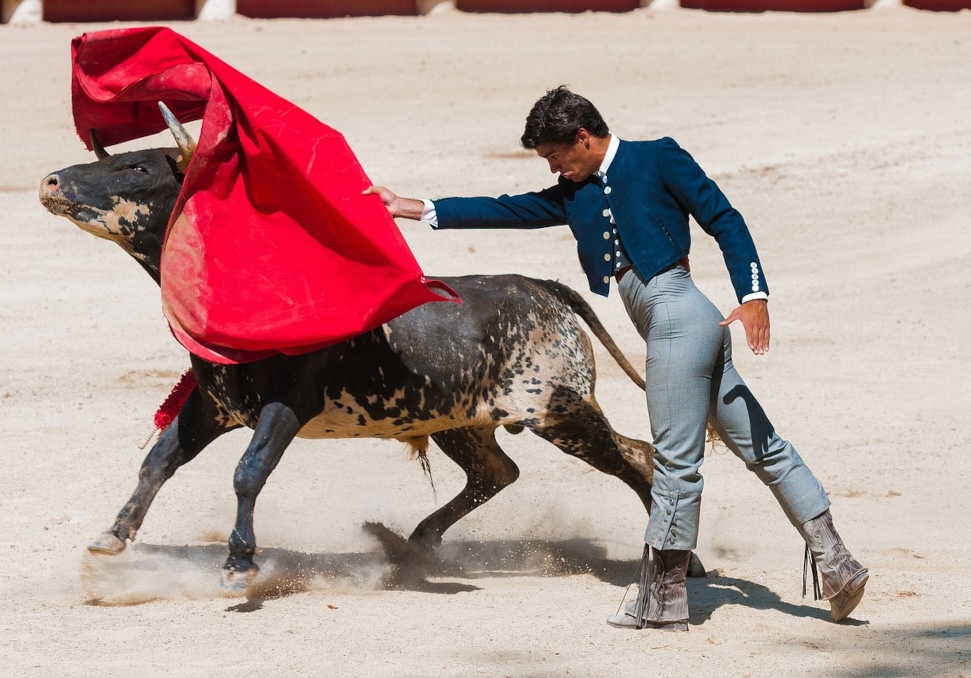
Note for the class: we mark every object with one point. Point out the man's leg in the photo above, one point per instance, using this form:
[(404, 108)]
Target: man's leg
[(743, 426), (683, 343)]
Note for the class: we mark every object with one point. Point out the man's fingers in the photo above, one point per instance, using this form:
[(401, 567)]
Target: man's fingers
[(387, 197), (732, 317), (385, 194), (759, 342)]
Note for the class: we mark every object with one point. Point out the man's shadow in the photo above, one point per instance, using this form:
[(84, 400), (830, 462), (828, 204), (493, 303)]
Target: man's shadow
[(714, 591)]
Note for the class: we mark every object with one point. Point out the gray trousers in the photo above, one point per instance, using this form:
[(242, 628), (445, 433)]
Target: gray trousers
[(691, 382)]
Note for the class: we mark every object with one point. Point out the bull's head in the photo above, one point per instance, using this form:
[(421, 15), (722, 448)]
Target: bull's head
[(126, 198)]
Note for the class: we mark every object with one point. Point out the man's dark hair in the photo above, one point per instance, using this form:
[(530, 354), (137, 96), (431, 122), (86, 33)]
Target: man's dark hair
[(558, 116)]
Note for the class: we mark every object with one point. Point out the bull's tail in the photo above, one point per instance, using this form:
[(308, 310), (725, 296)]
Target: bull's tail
[(572, 298)]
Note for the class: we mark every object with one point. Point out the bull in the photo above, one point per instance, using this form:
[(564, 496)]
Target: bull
[(513, 355)]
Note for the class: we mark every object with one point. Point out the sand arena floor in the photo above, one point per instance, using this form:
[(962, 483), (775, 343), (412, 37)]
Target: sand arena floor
[(844, 139)]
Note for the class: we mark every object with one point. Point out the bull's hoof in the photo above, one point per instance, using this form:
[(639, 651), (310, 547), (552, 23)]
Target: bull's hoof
[(107, 544), (695, 567), (401, 552), (235, 582)]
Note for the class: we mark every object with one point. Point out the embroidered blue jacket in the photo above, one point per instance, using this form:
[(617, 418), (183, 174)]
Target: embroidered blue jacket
[(650, 190)]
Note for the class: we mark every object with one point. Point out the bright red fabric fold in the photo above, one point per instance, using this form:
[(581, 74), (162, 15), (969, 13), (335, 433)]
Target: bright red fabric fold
[(272, 247)]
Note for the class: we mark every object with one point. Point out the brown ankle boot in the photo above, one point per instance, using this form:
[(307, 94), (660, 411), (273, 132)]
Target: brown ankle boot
[(662, 601), (667, 606), (842, 576)]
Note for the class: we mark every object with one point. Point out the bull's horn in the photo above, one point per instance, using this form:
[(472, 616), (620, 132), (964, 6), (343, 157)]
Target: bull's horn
[(187, 145), (96, 146)]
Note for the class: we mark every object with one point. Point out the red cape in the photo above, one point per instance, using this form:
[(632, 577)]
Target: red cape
[(272, 247)]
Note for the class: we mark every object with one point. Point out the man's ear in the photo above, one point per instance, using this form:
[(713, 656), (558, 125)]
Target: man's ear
[(583, 137)]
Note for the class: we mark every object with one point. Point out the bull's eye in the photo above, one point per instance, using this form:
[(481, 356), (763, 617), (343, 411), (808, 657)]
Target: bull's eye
[(139, 169)]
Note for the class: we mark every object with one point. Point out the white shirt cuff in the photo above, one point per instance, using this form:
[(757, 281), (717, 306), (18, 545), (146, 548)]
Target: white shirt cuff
[(754, 295), (428, 214)]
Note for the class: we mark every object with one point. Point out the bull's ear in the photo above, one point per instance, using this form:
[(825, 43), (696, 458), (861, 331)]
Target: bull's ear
[(99, 150), (184, 140)]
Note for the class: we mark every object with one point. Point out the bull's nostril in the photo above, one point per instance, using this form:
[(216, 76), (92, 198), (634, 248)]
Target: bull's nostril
[(51, 182)]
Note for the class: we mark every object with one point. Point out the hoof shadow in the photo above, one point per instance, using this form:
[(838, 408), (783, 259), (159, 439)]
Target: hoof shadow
[(411, 565)]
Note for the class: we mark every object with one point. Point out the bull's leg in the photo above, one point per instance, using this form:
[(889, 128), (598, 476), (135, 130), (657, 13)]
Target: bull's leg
[(579, 428), (194, 428), (275, 430), (487, 468)]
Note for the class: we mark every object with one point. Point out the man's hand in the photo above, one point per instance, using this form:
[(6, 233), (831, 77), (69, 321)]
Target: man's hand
[(754, 315), (406, 208)]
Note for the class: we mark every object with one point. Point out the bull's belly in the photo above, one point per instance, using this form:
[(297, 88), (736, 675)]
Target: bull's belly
[(339, 423)]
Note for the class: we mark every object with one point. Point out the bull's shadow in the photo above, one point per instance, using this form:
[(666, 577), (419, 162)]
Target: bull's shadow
[(146, 572), (149, 572)]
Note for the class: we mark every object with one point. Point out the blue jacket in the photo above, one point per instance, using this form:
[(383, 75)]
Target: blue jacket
[(651, 188)]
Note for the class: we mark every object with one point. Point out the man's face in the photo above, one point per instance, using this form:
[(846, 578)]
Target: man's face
[(573, 161)]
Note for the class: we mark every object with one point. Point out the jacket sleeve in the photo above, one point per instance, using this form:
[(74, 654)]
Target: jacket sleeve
[(700, 196), (529, 210)]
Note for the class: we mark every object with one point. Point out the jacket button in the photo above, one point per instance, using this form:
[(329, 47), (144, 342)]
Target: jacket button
[(607, 257), (606, 212), (606, 235), (607, 190), (606, 279)]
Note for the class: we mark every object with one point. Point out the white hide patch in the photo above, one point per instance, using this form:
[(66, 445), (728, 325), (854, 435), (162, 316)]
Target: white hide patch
[(118, 225)]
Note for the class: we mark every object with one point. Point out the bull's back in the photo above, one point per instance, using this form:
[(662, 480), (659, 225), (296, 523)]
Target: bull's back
[(506, 326)]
